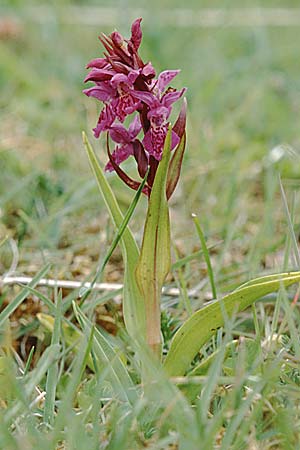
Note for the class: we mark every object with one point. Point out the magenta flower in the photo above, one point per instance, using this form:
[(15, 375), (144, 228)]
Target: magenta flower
[(124, 103), (126, 86), (159, 110), (127, 139), (105, 120), (114, 89)]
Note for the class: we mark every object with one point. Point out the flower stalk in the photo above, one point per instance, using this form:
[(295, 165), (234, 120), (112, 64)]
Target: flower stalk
[(155, 256)]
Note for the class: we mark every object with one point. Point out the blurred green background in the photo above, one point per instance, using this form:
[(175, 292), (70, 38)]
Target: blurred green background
[(241, 66)]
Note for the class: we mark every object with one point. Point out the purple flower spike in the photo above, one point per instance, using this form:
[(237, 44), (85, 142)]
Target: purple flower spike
[(126, 86)]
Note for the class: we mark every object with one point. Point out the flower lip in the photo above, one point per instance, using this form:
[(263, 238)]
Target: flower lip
[(158, 116)]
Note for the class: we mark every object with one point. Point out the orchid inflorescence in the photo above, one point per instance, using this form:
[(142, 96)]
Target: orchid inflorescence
[(127, 86)]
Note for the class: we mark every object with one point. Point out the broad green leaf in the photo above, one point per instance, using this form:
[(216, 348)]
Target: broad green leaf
[(108, 360), (199, 328), (133, 301), (155, 260)]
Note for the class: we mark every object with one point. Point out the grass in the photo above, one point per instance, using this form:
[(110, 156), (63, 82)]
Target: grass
[(79, 387)]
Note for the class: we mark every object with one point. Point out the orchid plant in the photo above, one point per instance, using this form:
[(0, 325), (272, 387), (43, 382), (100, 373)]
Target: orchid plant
[(128, 87), (136, 109)]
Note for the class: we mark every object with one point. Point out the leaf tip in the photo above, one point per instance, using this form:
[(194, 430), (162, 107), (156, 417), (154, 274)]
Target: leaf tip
[(84, 137)]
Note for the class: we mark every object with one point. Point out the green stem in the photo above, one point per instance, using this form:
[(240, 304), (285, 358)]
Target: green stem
[(155, 256)]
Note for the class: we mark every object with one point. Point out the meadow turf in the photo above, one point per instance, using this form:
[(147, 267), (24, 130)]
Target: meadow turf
[(243, 134)]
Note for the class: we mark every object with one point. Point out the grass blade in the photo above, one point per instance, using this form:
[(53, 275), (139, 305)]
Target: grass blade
[(205, 254), (119, 233), (12, 306), (51, 381)]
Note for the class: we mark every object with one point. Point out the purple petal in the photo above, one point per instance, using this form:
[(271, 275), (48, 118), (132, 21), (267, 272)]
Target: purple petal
[(159, 115), (98, 63), (119, 67), (124, 177), (132, 76), (165, 78), (99, 75), (117, 38), (119, 134), (135, 127), (119, 155), (122, 78), (148, 71), (119, 78), (170, 97), (124, 105), (147, 141), (154, 144), (105, 120), (147, 97), (136, 34), (154, 141), (102, 92)]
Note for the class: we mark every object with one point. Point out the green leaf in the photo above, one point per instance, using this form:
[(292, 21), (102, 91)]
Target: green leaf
[(133, 301), (199, 328), (155, 260)]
